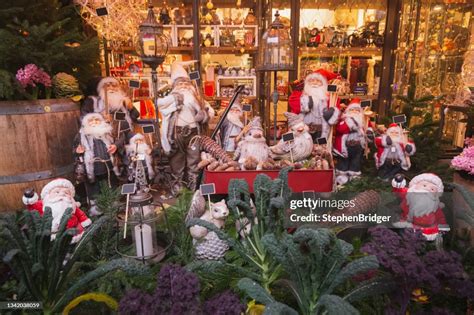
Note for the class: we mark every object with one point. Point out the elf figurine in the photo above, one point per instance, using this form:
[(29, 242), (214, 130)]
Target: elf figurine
[(421, 207), (58, 195)]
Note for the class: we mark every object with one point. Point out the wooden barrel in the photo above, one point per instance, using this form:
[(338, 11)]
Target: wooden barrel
[(36, 139)]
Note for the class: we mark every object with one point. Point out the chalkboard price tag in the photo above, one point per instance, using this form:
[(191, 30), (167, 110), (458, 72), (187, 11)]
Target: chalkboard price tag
[(148, 129), (134, 84), (119, 116), (289, 136), (207, 189), (332, 88), (322, 141), (247, 108), (194, 75), (128, 189), (101, 11), (366, 103), (399, 119)]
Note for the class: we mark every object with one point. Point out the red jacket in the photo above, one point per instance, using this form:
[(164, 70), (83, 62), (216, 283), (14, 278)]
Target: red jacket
[(78, 220)]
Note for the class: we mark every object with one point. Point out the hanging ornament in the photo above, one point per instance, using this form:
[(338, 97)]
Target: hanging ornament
[(210, 5), (239, 3), (208, 17)]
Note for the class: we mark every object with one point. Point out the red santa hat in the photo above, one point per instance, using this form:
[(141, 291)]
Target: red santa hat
[(324, 75), (59, 182), (393, 127), (354, 103), (428, 177), (105, 81)]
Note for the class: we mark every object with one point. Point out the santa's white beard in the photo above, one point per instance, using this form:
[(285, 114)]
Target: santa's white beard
[(235, 119), (97, 131), (396, 139), (421, 202), (115, 99), (318, 93), (58, 205), (255, 147), (359, 118)]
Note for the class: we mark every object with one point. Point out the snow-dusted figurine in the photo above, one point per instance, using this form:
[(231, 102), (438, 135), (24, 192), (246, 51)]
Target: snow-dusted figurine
[(207, 244), (393, 152), (58, 195), (136, 149), (252, 151), (97, 148), (349, 146), (421, 207), (184, 113), (314, 104), (231, 128), (301, 146)]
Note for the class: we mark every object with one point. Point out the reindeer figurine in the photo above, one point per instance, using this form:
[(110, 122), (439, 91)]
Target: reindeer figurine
[(207, 244)]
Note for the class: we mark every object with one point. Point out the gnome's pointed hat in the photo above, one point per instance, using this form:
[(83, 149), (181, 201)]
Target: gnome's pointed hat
[(255, 123), (178, 70), (293, 119)]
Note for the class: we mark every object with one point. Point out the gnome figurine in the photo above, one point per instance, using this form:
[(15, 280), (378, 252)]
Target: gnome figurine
[(393, 152), (253, 150), (58, 195), (231, 128), (302, 145), (421, 207)]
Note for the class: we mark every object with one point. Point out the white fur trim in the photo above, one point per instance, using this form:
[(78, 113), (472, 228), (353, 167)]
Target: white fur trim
[(59, 182), (384, 140), (304, 103), (430, 237), (402, 225), (86, 222), (352, 173), (104, 81), (428, 177), (30, 201)]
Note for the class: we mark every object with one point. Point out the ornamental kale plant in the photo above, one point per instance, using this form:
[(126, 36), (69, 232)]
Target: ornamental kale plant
[(177, 292), (413, 266)]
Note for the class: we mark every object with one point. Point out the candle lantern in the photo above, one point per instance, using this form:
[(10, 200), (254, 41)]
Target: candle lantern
[(275, 54), (146, 236)]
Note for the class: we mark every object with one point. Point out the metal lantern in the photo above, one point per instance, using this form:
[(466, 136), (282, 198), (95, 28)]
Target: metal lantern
[(275, 54), (275, 50), (146, 230), (153, 44)]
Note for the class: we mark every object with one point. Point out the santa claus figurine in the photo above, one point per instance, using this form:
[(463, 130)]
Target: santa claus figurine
[(58, 195), (350, 142), (95, 146), (231, 128), (393, 152), (253, 150), (421, 207), (138, 151), (184, 113), (313, 104), (302, 145)]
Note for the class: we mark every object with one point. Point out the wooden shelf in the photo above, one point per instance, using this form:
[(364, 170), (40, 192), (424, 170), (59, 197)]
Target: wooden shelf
[(220, 98), (362, 97), (349, 51), (235, 50)]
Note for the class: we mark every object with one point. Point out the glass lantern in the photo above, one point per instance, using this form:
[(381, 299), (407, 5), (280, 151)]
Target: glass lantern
[(152, 44), (275, 50), (144, 235)]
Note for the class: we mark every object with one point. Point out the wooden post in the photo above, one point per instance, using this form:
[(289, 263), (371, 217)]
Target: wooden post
[(295, 37), (197, 38), (388, 56)]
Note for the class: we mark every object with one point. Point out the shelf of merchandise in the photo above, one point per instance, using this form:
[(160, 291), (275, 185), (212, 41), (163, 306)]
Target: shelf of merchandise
[(340, 51), (220, 78)]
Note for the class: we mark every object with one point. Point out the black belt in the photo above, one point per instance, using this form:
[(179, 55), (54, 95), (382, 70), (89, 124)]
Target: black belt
[(185, 131)]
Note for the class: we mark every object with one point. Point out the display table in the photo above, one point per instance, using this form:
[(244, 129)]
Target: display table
[(298, 180)]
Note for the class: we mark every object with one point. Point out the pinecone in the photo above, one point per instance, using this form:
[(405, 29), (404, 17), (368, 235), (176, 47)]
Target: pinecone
[(210, 146), (65, 85), (211, 248), (365, 202)]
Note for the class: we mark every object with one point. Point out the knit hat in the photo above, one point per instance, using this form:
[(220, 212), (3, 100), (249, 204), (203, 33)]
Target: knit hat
[(59, 182), (293, 119), (178, 71), (428, 177), (104, 81), (255, 123)]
